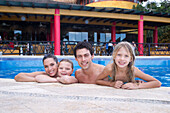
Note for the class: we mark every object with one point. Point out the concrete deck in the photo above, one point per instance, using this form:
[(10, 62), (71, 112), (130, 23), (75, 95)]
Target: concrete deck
[(30, 97)]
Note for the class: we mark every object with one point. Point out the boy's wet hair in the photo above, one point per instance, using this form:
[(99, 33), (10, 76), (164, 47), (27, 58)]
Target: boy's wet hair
[(67, 60), (82, 45), (50, 56)]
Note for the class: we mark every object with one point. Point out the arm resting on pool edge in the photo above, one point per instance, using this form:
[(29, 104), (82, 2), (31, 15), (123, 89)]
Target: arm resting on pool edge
[(45, 79), (101, 79), (67, 79), (151, 81), (27, 77)]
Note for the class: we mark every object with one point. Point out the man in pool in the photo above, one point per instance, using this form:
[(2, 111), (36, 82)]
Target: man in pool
[(89, 71)]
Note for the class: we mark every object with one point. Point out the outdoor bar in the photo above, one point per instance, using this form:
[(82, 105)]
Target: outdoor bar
[(56, 22)]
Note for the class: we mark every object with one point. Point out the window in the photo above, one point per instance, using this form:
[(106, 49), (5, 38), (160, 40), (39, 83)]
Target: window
[(121, 36), (78, 36), (108, 37), (17, 35), (105, 37), (17, 32), (95, 36), (102, 37)]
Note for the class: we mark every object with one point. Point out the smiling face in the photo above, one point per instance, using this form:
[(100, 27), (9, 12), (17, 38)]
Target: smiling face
[(50, 66), (122, 58), (84, 58), (65, 68)]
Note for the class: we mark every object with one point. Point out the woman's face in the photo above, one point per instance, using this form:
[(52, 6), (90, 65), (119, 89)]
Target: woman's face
[(65, 68), (50, 66)]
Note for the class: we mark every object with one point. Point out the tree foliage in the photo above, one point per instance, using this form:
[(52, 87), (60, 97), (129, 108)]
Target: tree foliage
[(163, 7)]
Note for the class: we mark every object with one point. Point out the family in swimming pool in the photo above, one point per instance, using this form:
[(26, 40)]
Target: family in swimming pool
[(119, 74)]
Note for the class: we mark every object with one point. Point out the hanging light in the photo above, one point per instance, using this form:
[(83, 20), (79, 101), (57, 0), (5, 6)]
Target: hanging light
[(4, 24), (86, 21), (23, 18), (40, 24)]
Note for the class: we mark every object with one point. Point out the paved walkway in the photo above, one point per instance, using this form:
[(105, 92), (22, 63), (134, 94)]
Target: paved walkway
[(30, 97)]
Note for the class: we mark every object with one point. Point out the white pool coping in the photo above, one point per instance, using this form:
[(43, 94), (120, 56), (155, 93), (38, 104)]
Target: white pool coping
[(31, 97)]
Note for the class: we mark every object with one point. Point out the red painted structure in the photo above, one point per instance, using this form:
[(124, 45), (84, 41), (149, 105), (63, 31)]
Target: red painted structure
[(57, 32), (155, 35), (113, 32), (140, 35)]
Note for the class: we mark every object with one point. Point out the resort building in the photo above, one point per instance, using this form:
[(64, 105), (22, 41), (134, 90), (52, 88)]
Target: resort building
[(96, 21)]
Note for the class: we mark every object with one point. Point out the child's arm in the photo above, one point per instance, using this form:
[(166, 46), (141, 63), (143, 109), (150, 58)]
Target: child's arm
[(107, 71), (151, 82), (27, 77), (67, 79), (45, 79)]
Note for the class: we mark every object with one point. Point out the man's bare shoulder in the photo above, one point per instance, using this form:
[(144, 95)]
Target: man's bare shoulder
[(78, 72), (79, 75), (98, 66)]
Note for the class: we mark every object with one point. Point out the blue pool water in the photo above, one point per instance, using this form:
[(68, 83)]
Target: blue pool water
[(154, 66)]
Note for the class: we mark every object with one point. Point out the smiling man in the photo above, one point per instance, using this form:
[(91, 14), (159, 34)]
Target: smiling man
[(89, 71)]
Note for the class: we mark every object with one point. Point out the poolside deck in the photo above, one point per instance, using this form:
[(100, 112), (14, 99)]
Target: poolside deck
[(30, 97)]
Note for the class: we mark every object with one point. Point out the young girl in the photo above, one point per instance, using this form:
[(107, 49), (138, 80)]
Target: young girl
[(65, 69), (122, 71)]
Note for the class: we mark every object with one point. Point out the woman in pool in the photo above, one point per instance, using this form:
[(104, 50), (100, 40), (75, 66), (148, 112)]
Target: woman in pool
[(50, 75), (122, 71)]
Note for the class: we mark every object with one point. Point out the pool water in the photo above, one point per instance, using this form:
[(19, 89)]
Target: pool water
[(159, 68)]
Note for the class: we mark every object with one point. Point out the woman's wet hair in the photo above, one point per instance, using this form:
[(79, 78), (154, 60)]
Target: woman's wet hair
[(67, 60), (82, 45), (50, 56)]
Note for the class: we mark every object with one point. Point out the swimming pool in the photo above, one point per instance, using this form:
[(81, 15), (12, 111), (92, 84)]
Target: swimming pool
[(158, 67)]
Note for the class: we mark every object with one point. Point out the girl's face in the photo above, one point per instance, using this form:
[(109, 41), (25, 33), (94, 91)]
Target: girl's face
[(64, 68), (122, 58), (50, 66)]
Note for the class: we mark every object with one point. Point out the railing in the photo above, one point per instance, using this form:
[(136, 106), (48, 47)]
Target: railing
[(100, 49), (140, 49), (26, 47)]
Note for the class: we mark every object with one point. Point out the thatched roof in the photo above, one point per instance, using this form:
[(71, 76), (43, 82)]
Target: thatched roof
[(46, 1), (143, 0), (54, 1)]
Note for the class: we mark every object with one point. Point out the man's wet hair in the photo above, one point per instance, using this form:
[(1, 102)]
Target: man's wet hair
[(82, 45), (50, 56)]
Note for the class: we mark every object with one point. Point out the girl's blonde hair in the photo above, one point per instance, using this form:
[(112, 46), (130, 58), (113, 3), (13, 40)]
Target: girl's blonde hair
[(130, 71)]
